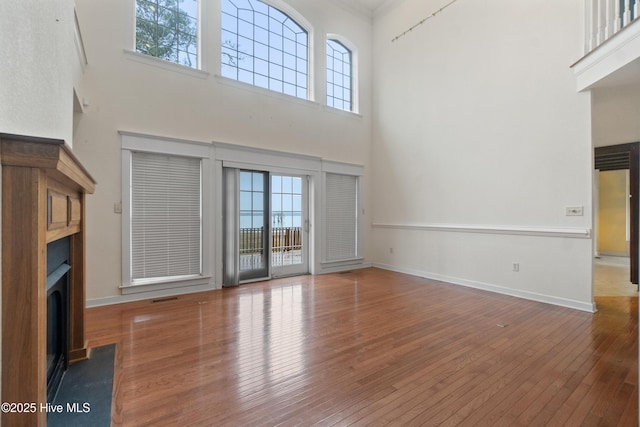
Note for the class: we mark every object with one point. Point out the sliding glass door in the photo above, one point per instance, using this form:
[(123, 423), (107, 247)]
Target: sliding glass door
[(254, 225), (289, 225), (266, 225)]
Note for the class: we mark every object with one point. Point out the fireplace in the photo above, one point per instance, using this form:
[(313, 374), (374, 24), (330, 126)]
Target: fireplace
[(58, 267), (43, 270)]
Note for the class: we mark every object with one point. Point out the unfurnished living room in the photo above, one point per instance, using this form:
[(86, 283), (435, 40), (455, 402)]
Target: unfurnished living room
[(320, 212)]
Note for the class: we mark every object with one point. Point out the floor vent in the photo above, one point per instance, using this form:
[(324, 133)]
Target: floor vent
[(164, 299)]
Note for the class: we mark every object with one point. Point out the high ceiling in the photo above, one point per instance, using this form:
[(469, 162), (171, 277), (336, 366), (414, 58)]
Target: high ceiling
[(368, 7), (370, 4)]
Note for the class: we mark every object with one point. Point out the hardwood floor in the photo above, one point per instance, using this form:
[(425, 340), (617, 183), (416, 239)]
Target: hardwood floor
[(370, 347)]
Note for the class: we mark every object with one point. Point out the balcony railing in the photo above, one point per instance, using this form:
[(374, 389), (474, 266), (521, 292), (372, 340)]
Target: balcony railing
[(604, 18), (286, 247)]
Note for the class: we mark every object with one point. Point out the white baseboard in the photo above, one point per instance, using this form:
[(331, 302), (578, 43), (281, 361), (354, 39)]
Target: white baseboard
[(616, 254), (119, 299), (347, 267), (562, 302)]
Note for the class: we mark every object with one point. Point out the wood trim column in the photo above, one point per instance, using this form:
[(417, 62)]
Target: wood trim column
[(77, 345), (24, 293)]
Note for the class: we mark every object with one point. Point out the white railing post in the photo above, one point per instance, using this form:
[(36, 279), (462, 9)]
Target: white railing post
[(600, 24), (627, 13), (608, 26), (604, 18), (592, 10), (588, 26)]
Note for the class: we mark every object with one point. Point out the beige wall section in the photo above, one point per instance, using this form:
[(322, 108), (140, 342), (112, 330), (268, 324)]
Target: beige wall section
[(129, 95), (612, 213), (477, 122), (37, 68), (615, 115)]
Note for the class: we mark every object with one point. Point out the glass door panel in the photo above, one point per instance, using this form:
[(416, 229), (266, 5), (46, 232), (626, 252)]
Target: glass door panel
[(254, 228), (289, 225)]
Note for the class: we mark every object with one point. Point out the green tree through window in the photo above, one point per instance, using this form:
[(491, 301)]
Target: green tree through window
[(168, 29)]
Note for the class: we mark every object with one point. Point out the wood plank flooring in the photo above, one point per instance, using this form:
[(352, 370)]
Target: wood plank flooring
[(369, 347)]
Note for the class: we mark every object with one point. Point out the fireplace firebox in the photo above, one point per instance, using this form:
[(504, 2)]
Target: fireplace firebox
[(58, 267)]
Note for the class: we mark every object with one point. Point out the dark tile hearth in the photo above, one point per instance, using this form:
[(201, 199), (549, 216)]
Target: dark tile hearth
[(86, 392)]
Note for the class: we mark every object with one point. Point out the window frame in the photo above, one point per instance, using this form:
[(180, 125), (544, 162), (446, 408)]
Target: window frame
[(333, 85), (300, 21), (200, 34), (355, 93), (130, 143), (357, 172)]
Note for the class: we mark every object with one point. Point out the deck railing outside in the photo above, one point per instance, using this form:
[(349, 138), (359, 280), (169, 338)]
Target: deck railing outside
[(604, 18), (286, 246)]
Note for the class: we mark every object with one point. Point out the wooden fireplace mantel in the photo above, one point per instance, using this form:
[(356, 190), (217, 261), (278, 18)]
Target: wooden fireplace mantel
[(43, 199)]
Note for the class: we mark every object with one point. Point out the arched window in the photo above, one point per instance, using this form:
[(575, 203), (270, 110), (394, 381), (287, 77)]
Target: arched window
[(168, 29), (264, 47), (339, 79)]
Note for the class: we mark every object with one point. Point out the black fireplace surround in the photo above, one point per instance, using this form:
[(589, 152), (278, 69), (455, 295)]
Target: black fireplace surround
[(58, 267)]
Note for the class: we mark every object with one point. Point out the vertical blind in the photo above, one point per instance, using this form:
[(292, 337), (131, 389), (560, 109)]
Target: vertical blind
[(341, 217), (166, 226)]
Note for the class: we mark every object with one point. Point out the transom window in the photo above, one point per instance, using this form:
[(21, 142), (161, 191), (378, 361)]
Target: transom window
[(168, 29), (338, 76), (264, 47)]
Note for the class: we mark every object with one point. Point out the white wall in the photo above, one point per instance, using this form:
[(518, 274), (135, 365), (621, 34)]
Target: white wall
[(128, 95), (477, 123), (36, 71), (615, 115)]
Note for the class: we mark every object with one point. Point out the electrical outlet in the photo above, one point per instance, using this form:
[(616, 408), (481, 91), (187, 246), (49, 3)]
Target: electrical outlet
[(390, 250), (516, 267), (574, 211)]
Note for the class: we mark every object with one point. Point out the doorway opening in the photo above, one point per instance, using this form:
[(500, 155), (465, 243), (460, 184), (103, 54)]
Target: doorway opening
[(616, 220)]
